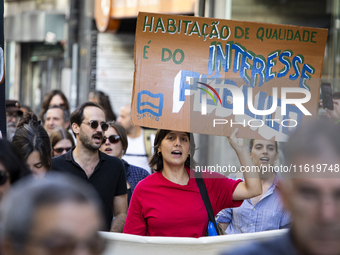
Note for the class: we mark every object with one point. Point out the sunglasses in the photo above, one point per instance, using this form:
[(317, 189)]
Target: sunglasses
[(112, 139), (94, 124), (3, 177), (60, 150)]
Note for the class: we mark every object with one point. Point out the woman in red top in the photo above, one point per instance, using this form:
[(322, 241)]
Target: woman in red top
[(169, 203)]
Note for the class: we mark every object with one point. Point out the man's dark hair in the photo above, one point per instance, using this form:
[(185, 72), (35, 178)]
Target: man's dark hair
[(77, 115)]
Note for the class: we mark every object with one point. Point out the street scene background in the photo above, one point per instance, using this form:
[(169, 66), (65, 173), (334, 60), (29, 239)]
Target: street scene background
[(56, 44)]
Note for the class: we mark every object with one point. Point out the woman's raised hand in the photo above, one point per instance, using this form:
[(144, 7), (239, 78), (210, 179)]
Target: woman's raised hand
[(251, 186), (236, 143)]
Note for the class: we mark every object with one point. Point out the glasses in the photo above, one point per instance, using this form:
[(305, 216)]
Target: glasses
[(95, 246), (112, 139), (3, 177), (12, 115), (94, 124), (61, 150)]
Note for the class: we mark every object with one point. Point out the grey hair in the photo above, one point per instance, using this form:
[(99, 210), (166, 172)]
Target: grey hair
[(306, 139), (66, 113), (28, 195)]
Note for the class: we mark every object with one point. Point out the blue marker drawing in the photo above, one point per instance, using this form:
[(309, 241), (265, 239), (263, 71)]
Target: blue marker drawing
[(158, 109)]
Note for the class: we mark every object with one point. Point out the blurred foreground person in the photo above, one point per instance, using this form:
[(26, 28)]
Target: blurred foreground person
[(32, 140), (55, 217), (311, 194), (12, 166)]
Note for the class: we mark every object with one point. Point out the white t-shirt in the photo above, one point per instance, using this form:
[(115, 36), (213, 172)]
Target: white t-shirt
[(136, 154)]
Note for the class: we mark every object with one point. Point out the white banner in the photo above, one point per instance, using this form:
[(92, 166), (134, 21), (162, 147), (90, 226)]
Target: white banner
[(143, 245)]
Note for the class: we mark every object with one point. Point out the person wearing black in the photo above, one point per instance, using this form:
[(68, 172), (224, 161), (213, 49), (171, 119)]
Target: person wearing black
[(104, 172)]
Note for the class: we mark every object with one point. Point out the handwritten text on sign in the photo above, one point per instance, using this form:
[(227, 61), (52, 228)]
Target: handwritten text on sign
[(199, 74)]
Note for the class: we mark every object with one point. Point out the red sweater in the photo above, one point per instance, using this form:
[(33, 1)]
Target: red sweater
[(160, 207)]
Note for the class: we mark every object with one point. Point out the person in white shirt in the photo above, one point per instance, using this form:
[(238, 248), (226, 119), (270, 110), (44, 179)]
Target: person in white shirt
[(139, 139)]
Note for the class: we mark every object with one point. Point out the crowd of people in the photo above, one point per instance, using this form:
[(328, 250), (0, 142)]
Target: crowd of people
[(87, 171)]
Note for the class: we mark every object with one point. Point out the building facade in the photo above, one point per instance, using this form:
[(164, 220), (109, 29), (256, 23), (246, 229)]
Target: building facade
[(81, 45)]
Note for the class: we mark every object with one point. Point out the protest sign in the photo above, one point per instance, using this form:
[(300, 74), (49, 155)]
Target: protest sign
[(210, 76)]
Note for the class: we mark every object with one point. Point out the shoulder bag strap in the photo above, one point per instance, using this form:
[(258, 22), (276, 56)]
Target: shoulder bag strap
[(205, 197)]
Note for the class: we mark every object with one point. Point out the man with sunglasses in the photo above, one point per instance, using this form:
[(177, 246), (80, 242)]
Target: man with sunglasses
[(56, 217), (104, 172)]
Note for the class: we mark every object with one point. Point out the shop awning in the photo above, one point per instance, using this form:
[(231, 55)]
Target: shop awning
[(109, 12)]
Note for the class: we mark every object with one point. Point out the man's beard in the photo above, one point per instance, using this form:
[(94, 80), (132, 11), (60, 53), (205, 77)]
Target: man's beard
[(11, 128), (87, 141)]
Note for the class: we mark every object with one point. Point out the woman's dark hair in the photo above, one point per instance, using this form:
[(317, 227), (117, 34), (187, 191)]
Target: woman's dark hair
[(121, 132), (104, 102), (47, 99), (11, 159), (251, 144), (156, 161), (31, 136), (26, 107), (59, 134)]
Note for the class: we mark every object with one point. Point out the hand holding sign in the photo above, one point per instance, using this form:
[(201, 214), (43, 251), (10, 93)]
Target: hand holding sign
[(236, 143)]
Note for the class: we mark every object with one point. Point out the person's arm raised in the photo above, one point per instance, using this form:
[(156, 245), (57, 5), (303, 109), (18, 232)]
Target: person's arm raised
[(333, 114), (251, 187)]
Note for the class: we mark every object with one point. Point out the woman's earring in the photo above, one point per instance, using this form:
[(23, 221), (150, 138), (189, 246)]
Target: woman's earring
[(159, 153), (188, 155)]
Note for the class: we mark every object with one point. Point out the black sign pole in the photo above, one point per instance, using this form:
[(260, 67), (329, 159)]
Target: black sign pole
[(2, 73)]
